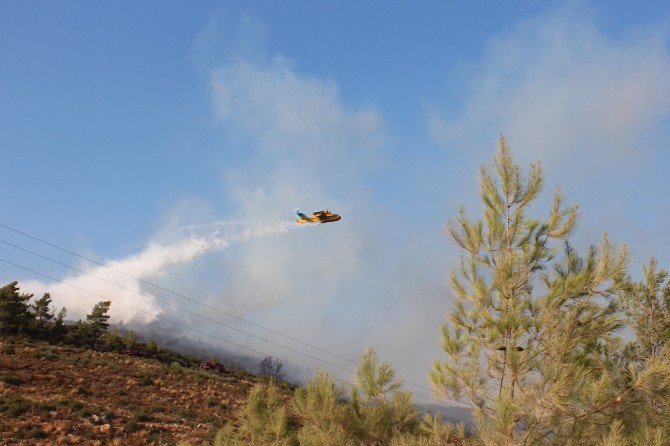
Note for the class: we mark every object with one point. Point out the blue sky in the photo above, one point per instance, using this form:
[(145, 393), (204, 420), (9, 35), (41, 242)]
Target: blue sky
[(123, 123)]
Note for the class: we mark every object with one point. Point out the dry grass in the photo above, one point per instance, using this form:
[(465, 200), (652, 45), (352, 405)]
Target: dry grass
[(65, 395)]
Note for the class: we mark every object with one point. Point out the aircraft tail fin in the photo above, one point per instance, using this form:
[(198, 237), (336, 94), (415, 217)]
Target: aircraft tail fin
[(299, 213)]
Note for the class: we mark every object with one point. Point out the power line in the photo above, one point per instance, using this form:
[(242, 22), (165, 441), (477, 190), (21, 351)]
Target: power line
[(176, 306), (179, 294), (199, 303), (189, 311), (158, 316)]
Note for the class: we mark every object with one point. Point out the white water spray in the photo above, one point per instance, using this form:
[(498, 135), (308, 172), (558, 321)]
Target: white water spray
[(185, 246)]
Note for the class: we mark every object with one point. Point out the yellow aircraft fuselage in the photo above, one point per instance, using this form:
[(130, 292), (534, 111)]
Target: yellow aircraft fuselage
[(318, 217)]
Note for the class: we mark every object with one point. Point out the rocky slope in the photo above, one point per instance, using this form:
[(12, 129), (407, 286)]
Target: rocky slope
[(67, 395)]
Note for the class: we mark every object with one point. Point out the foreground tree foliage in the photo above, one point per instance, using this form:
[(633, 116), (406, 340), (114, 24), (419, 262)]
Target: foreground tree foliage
[(644, 366), (532, 341), (326, 421), (383, 409), (323, 413)]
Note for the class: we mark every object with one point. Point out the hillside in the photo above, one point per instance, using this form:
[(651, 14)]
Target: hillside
[(68, 395)]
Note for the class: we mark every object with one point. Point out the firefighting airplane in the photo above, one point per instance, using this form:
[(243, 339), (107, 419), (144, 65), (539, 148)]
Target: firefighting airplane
[(316, 217)]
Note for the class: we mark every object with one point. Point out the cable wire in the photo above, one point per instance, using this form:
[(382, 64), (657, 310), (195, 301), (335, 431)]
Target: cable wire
[(190, 299), (178, 294), (177, 307), (158, 316)]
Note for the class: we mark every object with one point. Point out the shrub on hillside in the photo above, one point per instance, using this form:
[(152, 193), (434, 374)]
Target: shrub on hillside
[(11, 380), (15, 406)]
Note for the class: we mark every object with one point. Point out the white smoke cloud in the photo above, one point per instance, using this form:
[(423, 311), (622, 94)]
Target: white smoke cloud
[(120, 280), (292, 118), (305, 148), (561, 90), (343, 286), (593, 107)]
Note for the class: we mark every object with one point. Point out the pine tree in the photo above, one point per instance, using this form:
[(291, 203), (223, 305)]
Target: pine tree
[(59, 322), (91, 331), (46, 322), (15, 315), (42, 311), (527, 340), (264, 419), (648, 309), (98, 317), (326, 419), (377, 413), (645, 365), (382, 408)]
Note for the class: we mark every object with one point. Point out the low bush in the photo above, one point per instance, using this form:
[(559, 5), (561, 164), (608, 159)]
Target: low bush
[(145, 380), (143, 415), (7, 349), (134, 426), (34, 432), (11, 380), (15, 407), (47, 406), (45, 353)]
